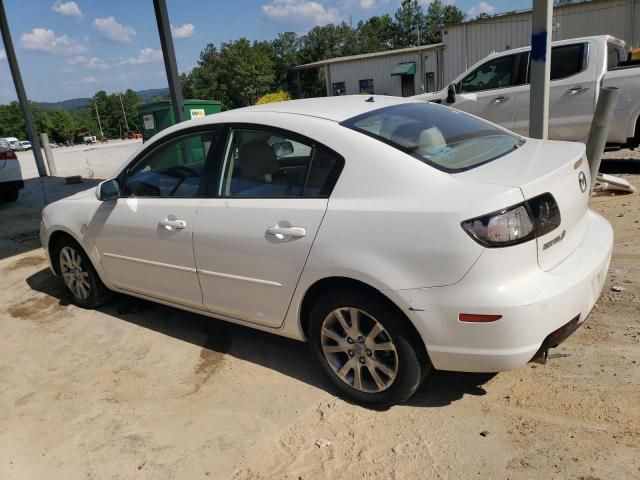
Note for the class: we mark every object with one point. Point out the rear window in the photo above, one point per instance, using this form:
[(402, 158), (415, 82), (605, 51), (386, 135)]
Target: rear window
[(444, 138)]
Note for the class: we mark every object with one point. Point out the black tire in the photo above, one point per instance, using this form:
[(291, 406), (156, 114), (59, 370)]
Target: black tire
[(412, 363), (10, 196), (97, 292)]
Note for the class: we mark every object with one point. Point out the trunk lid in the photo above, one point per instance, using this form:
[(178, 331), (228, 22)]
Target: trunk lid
[(538, 167)]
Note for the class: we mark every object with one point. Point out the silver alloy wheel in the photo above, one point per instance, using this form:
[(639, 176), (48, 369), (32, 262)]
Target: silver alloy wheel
[(76, 278), (359, 350)]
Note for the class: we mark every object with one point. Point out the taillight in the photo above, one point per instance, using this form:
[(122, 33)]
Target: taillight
[(8, 155), (516, 224)]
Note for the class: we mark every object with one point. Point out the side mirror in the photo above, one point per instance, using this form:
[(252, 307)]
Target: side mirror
[(451, 93), (108, 190)]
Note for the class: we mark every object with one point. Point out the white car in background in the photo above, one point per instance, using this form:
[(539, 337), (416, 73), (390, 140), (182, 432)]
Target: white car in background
[(10, 173), (23, 145), (395, 236)]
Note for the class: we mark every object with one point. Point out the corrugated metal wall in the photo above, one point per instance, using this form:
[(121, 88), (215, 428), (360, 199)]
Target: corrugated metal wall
[(467, 43), (379, 69)]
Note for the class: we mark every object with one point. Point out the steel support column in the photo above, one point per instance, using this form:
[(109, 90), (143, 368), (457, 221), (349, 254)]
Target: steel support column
[(540, 68), (20, 92), (169, 54)]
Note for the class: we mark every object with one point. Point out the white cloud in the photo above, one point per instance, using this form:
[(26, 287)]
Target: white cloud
[(300, 10), (3, 55), (113, 30), (185, 31), (68, 9), (482, 7), (93, 63), (146, 55), (89, 79), (44, 40)]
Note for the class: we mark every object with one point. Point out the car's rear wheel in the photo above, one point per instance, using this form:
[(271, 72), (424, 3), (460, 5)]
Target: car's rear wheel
[(365, 348), (79, 277), (10, 195)]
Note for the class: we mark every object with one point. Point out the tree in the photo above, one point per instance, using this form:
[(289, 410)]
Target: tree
[(409, 24), (437, 16), (186, 85), (246, 72), (62, 126), (204, 77), (375, 34), (284, 51)]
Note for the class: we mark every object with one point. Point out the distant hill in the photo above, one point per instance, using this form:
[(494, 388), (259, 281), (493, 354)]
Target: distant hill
[(147, 96)]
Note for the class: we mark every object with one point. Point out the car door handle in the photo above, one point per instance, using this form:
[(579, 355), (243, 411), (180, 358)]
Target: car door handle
[(578, 89), (281, 232), (500, 99), (173, 224)]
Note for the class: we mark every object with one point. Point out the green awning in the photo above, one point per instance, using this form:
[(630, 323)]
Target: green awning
[(407, 68)]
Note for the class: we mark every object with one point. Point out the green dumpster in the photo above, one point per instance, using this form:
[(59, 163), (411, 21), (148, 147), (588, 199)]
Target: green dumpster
[(157, 116)]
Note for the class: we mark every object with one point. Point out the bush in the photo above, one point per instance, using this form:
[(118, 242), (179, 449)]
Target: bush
[(274, 97)]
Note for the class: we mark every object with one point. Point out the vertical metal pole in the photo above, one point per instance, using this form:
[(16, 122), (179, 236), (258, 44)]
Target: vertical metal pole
[(599, 130), (44, 138), (126, 124), (98, 115), (20, 92), (540, 68), (169, 54)]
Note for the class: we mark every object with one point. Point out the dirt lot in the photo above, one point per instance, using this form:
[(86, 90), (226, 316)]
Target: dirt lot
[(138, 390)]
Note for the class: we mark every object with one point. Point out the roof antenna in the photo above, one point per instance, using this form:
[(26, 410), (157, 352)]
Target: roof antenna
[(370, 100)]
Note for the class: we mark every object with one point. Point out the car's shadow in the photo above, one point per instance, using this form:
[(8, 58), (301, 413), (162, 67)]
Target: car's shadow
[(289, 357)]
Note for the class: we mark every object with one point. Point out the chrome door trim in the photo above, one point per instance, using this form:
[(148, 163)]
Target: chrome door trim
[(240, 278), (149, 262)]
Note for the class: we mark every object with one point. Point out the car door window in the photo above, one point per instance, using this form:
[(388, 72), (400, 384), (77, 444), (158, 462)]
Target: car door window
[(567, 60), (264, 164), (501, 72), (173, 169)]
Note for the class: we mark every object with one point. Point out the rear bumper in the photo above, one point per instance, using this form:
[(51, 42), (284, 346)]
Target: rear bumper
[(11, 185), (533, 303)]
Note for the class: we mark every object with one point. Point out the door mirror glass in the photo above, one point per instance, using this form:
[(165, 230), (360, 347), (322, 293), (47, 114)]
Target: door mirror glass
[(451, 93), (108, 190)]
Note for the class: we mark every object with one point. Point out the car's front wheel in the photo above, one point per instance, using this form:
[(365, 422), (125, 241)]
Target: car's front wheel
[(78, 275), (365, 348)]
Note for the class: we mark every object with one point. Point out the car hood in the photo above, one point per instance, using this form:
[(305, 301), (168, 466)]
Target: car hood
[(89, 193)]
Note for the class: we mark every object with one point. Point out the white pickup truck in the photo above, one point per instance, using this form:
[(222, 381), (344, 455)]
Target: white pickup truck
[(497, 89)]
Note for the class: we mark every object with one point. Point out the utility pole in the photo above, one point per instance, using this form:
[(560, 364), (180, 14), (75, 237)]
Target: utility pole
[(169, 54), (540, 68), (98, 115), (126, 124), (20, 92)]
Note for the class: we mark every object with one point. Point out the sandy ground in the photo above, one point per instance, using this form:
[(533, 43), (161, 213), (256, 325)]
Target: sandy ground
[(138, 390)]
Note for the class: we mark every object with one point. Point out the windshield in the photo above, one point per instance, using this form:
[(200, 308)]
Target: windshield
[(447, 139)]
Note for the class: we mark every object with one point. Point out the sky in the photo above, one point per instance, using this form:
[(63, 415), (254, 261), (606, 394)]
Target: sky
[(73, 48)]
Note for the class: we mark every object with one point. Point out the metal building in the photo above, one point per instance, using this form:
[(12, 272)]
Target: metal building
[(467, 43), (403, 72)]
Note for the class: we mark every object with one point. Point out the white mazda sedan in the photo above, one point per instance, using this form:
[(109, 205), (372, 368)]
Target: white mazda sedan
[(395, 236)]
